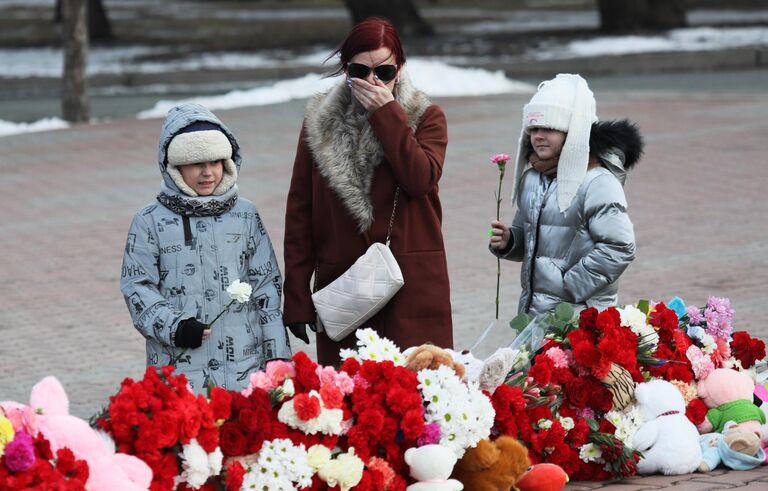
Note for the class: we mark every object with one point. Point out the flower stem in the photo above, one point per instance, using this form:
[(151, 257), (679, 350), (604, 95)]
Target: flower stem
[(498, 261), (226, 308)]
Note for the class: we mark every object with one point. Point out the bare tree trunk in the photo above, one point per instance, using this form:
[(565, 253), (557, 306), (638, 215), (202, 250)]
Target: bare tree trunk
[(74, 94), (666, 14), (99, 27), (402, 13), (620, 16)]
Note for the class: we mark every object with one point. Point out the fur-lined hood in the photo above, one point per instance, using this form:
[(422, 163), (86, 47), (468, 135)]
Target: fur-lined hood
[(344, 146), (618, 145)]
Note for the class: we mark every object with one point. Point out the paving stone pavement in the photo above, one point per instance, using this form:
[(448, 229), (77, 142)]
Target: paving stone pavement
[(697, 200)]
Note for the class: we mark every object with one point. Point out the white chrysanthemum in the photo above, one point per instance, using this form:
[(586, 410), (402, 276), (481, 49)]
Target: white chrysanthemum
[(349, 353), (464, 414), (280, 465), (370, 346), (544, 424), (590, 453), (627, 423)]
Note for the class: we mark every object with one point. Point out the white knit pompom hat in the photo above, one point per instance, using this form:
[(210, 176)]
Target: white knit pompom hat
[(564, 103), (201, 142)]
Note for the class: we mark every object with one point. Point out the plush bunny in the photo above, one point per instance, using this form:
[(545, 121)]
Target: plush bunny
[(431, 466), (108, 471), (668, 440)]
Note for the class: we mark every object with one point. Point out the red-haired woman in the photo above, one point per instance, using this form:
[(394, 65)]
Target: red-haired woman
[(369, 136)]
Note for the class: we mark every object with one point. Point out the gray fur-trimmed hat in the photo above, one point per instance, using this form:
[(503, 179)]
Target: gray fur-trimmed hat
[(199, 142)]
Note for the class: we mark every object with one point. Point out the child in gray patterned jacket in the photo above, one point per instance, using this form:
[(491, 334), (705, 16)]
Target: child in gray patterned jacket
[(185, 249)]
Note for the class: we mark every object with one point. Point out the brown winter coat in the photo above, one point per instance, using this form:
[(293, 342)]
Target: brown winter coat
[(347, 167)]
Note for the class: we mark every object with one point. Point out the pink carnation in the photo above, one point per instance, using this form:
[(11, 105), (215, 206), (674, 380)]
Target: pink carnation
[(341, 380), (559, 357), (279, 370), (258, 380), (500, 158), (701, 364)]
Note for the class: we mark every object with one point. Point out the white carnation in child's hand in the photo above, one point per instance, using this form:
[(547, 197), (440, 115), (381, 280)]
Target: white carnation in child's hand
[(239, 291)]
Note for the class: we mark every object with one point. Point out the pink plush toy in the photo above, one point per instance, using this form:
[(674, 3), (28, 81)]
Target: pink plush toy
[(48, 413), (729, 396)]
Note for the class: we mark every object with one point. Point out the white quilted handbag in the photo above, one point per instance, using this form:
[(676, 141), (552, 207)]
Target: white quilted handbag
[(361, 291)]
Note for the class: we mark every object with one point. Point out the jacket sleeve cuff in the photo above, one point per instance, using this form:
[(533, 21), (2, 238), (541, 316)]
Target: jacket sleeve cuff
[(503, 253)]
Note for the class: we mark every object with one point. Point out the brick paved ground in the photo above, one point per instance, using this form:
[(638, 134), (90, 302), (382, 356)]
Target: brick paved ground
[(697, 201)]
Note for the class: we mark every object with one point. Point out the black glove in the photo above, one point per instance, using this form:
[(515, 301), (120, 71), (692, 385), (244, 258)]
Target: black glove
[(189, 334), (299, 329)]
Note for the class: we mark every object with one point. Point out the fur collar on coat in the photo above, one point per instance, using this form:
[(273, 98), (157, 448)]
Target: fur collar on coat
[(344, 146)]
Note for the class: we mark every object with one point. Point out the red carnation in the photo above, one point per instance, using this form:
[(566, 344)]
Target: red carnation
[(696, 411), (608, 319), (306, 373), (542, 368), (663, 317), (235, 475), (306, 407), (332, 397), (746, 349), (221, 401), (412, 424), (588, 318), (351, 366)]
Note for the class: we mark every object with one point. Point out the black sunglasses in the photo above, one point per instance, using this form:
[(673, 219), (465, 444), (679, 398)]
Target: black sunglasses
[(385, 73)]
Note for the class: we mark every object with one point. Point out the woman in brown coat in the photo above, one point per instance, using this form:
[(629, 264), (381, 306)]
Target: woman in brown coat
[(360, 140)]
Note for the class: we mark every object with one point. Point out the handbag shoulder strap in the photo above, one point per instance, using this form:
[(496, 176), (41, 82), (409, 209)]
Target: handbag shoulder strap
[(392, 218), (389, 233)]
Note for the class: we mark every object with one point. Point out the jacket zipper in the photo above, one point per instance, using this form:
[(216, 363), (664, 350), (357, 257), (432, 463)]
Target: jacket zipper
[(536, 245)]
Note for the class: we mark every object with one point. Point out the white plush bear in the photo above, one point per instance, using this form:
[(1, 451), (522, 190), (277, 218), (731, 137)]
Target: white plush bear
[(668, 440), (432, 465)]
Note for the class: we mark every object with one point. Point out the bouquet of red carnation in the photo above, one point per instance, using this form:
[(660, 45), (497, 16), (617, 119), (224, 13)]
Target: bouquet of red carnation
[(388, 411), (159, 420), (747, 349), (29, 463)]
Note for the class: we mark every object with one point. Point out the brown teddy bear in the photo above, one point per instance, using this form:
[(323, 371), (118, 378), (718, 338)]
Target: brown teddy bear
[(492, 465), (432, 357)]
